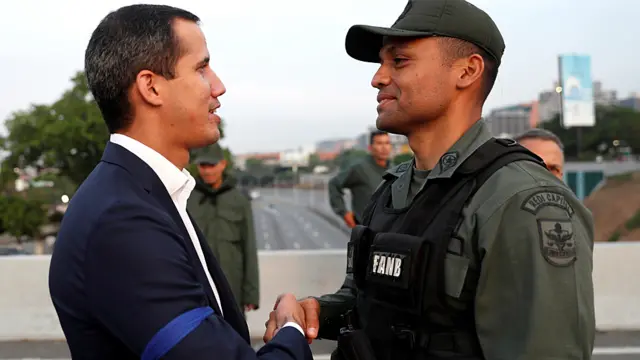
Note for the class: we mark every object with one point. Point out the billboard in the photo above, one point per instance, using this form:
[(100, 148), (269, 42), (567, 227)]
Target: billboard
[(578, 108)]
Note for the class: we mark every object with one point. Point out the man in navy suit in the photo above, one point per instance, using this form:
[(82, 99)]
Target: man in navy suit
[(131, 276)]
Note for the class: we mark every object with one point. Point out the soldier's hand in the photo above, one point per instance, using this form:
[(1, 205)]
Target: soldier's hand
[(350, 219), (286, 309), (308, 308)]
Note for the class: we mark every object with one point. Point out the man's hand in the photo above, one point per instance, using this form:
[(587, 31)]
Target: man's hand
[(308, 308), (350, 220)]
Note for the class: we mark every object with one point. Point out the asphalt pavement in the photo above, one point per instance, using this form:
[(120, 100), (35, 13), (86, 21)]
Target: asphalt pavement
[(285, 219)]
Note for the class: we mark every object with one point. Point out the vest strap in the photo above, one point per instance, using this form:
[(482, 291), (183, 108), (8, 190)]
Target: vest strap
[(172, 333)]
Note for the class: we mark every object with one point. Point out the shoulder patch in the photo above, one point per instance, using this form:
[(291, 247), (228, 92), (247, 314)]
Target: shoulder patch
[(543, 198), (557, 241)]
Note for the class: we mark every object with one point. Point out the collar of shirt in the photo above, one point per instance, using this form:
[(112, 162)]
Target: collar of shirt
[(179, 183)]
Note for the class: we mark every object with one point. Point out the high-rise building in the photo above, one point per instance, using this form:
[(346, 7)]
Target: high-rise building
[(511, 120)]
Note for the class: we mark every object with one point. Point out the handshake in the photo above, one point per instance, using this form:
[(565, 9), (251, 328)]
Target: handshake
[(288, 309)]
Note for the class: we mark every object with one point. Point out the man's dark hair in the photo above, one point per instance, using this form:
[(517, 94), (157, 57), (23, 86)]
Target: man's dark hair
[(127, 41), (454, 49), (542, 134), (375, 133)]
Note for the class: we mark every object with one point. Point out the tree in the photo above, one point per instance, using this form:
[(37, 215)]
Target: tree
[(400, 158), (69, 135), (23, 217), (614, 125)]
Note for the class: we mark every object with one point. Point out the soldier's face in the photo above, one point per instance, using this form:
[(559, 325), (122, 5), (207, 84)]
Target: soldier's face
[(413, 84), (380, 148), (212, 173), (550, 153)]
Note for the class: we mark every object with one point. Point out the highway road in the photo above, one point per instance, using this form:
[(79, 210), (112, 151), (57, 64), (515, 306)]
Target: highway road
[(288, 220)]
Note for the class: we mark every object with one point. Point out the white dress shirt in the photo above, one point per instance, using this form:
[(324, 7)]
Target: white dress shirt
[(179, 184)]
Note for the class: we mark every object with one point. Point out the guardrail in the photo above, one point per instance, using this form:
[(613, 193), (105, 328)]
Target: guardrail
[(26, 312)]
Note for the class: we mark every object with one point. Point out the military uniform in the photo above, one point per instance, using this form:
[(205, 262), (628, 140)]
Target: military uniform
[(225, 217), (361, 179), (485, 256)]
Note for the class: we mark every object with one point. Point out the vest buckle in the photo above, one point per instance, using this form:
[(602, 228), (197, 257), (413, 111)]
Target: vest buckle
[(404, 335)]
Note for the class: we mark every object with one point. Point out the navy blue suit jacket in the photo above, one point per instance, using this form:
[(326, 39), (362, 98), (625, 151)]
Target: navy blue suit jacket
[(124, 266)]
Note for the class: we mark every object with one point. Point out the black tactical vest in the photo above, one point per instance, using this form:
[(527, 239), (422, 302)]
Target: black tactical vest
[(397, 258)]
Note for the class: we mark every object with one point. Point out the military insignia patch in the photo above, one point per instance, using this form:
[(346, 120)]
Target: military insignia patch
[(402, 168), (544, 198), (557, 241), (448, 160)]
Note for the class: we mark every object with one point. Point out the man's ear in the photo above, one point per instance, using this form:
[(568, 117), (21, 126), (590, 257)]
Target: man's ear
[(471, 70), (150, 87)]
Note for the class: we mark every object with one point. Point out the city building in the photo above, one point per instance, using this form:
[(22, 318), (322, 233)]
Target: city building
[(334, 145), (632, 102), (549, 101), (512, 120), (296, 157)]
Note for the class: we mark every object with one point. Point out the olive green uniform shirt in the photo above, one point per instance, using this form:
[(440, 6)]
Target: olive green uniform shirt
[(362, 179), (534, 299)]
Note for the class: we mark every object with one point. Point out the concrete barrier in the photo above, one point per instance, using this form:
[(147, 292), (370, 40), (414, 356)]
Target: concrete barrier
[(26, 312)]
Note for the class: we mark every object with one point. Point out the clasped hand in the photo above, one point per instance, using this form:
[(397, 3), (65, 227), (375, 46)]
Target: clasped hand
[(304, 312)]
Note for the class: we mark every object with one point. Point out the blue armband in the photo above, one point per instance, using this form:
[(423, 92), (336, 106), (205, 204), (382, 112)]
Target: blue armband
[(171, 334)]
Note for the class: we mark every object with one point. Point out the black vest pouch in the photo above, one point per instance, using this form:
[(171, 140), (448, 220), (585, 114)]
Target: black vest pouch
[(358, 253), (395, 278)]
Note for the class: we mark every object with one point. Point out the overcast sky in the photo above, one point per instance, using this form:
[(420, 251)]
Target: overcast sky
[(289, 81)]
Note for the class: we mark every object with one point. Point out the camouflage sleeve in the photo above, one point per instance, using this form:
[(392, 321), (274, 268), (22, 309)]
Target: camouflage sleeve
[(535, 295), (344, 179), (332, 306)]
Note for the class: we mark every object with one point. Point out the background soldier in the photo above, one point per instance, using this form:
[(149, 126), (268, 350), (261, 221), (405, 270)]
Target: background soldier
[(225, 217), (548, 146), (361, 178), (505, 248)]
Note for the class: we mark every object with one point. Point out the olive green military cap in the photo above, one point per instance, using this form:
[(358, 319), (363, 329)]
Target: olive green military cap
[(211, 154), (423, 18)]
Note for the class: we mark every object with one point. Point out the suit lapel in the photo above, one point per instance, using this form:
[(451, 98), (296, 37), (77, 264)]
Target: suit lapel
[(232, 313), (150, 181), (167, 203)]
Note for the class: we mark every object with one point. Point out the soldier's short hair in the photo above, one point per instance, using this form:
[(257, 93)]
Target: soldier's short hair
[(373, 134), (542, 134)]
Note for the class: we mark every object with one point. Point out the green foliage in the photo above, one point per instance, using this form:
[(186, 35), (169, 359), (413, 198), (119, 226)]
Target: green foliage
[(612, 123), (634, 222), (400, 158), (614, 237), (69, 135), (22, 217)]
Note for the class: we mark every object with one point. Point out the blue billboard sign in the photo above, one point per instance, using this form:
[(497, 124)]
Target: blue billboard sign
[(578, 108)]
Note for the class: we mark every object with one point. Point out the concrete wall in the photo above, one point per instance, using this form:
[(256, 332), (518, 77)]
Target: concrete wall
[(26, 311)]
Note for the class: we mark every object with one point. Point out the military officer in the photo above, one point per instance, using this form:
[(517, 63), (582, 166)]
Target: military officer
[(472, 250), (547, 145)]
